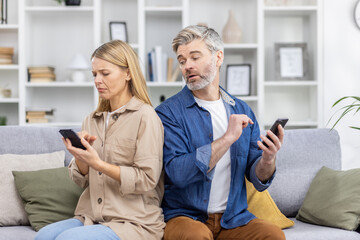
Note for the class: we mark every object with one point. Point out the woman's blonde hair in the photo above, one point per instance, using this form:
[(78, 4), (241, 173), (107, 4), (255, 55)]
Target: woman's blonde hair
[(121, 54)]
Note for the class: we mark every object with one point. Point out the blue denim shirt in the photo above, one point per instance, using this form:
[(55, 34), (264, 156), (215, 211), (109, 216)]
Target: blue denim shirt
[(187, 151)]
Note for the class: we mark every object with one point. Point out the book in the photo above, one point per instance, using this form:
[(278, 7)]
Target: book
[(170, 62), (175, 74), (150, 67), (43, 75), (159, 62), (6, 56), (5, 61), (37, 120), (35, 114), (41, 69), (41, 79), (7, 50)]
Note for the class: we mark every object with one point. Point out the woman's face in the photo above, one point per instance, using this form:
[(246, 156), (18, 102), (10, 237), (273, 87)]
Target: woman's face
[(111, 81)]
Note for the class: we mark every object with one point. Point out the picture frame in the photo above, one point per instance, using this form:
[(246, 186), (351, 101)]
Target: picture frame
[(238, 79), (118, 30), (291, 61)]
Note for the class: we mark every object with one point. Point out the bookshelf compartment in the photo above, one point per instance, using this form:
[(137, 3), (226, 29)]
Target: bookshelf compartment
[(241, 56), (63, 40), (126, 11), (245, 13), (9, 79), (10, 111), (298, 103), (156, 93), (290, 29), (70, 104)]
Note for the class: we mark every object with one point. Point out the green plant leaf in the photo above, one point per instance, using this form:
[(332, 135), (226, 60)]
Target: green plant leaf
[(354, 106)]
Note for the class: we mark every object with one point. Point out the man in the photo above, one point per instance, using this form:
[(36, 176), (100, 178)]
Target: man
[(211, 144)]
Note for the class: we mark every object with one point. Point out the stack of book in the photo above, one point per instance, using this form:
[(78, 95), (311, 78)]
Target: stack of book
[(6, 55), (38, 116), (41, 74), (160, 66)]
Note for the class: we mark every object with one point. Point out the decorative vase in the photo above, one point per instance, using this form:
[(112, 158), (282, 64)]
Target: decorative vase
[(231, 32), (72, 2)]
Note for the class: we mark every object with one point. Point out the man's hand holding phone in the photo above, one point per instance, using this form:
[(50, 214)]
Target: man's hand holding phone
[(271, 144)]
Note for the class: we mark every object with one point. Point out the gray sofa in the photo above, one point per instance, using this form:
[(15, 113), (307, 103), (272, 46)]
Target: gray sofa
[(303, 153)]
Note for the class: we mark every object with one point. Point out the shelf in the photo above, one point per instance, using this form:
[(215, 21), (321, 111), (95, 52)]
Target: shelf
[(248, 98), (134, 45), (56, 124), (298, 124), (165, 84), (58, 9), (60, 84), (9, 67), (13, 27), (232, 46), (290, 11), (290, 83), (163, 9), (9, 100)]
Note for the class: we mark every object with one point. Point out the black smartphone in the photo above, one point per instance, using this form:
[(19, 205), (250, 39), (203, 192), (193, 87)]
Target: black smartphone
[(274, 128), (74, 138)]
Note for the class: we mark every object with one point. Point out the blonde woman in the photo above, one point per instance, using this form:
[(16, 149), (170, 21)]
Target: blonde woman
[(121, 166)]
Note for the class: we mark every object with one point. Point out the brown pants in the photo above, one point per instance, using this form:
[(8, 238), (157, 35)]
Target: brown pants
[(185, 228)]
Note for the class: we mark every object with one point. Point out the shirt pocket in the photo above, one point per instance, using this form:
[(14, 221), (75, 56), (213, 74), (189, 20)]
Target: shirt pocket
[(122, 151)]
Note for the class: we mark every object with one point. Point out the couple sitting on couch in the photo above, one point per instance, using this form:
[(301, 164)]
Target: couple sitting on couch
[(201, 127)]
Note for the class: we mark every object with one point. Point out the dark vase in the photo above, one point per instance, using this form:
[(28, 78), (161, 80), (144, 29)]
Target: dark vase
[(72, 2)]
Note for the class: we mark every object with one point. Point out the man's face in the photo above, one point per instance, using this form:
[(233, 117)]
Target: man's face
[(198, 65)]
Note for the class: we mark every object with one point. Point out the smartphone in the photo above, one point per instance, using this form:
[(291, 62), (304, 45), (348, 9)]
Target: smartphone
[(274, 128), (73, 137)]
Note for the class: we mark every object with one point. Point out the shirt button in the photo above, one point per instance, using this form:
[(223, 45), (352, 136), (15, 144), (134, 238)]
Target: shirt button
[(99, 200), (115, 117), (100, 173), (207, 114), (210, 135), (205, 201)]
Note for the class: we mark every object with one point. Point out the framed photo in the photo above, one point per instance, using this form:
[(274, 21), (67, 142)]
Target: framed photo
[(291, 61), (238, 79), (118, 31)]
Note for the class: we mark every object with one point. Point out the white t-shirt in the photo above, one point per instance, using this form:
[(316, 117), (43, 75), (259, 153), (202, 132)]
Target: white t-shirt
[(110, 114), (220, 185)]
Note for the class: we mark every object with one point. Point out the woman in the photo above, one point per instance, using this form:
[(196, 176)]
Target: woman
[(121, 167)]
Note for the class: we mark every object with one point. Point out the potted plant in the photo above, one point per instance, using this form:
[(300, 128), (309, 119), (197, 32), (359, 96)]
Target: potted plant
[(70, 2), (354, 106)]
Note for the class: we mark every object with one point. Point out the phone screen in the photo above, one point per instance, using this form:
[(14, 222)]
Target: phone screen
[(274, 128), (73, 137)]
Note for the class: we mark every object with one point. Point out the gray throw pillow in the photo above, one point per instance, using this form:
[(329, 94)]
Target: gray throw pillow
[(333, 199), (11, 207)]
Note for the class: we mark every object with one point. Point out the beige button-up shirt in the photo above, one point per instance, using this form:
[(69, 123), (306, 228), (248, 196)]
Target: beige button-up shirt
[(133, 141)]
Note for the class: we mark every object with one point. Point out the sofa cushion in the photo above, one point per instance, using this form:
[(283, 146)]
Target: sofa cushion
[(33, 140), (333, 199), (11, 207), (263, 207), (17, 233), (301, 231), (303, 153), (49, 195)]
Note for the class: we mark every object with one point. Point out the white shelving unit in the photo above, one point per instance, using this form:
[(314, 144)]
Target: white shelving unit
[(300, 100), (46, 33), (9, 74), (52, 35)]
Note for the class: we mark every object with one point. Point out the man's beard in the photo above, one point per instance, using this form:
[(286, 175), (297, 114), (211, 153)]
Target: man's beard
[(205, 79)]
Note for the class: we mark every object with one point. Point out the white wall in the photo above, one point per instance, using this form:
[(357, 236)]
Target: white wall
[(342, 72)]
